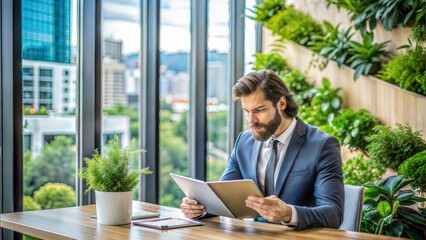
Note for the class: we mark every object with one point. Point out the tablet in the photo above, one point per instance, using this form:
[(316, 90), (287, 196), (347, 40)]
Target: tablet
[(224, 198)]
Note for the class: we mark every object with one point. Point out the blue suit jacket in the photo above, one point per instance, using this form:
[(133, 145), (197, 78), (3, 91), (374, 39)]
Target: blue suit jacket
[(310, 177)]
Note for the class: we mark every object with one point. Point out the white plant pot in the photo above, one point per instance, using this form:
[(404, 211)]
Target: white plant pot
[(114, 208)]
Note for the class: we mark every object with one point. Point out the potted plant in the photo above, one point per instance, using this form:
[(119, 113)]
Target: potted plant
[(386, 209), (112, 179)]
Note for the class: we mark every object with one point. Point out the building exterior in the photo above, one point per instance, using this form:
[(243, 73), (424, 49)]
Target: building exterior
[(46, 30), (40, 130), (113, 83), (50, 85)]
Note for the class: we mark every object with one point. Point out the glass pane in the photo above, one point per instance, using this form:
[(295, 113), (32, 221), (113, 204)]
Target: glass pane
[(218, 89), (249, 45), (48, 103), (249, 37), (121, 46), (174, 95)]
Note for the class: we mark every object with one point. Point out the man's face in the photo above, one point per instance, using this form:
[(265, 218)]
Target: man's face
[(262, 116)]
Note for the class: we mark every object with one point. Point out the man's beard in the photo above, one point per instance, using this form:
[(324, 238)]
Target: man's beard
[(269, 127)]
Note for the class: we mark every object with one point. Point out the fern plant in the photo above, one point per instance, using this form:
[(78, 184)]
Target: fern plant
[(111, 172)]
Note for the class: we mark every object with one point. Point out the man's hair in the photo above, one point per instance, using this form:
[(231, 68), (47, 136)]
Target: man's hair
[(271, 85)]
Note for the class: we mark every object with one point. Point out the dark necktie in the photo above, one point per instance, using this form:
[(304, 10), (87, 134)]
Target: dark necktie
[(270, 169)]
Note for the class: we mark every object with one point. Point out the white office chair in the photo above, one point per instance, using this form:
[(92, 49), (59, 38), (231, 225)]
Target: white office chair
[(354, 201)]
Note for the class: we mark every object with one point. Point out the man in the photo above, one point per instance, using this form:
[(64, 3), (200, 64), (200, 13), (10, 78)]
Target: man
[(304, 187)]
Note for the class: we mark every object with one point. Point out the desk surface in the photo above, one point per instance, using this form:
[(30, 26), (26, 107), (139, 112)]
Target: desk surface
[(75, 223)]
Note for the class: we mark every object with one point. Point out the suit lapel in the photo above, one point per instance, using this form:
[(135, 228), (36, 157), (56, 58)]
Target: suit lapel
[(296, 143), (254, 161)]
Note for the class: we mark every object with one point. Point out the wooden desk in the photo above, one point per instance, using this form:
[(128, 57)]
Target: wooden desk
[(75, 223)]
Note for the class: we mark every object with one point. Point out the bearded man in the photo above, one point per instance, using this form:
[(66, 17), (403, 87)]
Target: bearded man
[(297, 166)]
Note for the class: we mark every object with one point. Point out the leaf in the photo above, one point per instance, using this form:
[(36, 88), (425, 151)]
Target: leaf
[(373, 217), (412, 215), (404, 195), (384, 208), (395, 228)]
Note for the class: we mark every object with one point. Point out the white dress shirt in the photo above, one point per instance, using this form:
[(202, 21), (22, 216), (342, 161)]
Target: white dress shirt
[(282, 145)]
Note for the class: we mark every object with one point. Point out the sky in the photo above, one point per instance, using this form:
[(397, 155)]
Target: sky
[(120, 21)]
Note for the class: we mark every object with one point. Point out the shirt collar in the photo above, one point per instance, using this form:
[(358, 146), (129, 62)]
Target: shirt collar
[(285, 137)]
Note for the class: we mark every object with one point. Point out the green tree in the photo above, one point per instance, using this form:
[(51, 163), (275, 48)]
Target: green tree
[(30, 204), (173, 155), (55, 195), (132, 112), (56, 163)]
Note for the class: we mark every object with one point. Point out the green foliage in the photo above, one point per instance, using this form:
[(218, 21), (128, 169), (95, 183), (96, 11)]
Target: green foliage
[(173, 155), (111, 172), (32, 111), (132, 112), (385, 211), (415, 168), (359, 170), (30, 204), (217, 130), (267, 9), (390, 12), (55, 195), (333, 45), (56, 163), (419, 32), (270, 61), (366, 55), (391, 147), (325, 105), (294, 25), (407, 70), (298, 84), (352, 128)]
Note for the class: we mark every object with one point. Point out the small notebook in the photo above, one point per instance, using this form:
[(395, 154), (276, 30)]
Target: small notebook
[(167, 223)]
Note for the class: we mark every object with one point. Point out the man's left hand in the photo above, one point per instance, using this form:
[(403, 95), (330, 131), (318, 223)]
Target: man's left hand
[(270, 208)]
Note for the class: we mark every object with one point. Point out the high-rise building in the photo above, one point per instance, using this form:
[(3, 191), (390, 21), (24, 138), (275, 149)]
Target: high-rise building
[(112, 49), (46, 30)]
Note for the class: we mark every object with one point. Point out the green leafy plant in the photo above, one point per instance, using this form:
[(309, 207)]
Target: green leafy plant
[(392, 147), (271, 61), (267, 9), (297, 83), (30, 204), (361, 12), (366, 55), (352, 127), (55, 195), (385, 209), (415, 168), (407, 70), (294, 25), (366, 13), (359, 170), (111, 172), (325, 105), (333, 45), (419, 33)]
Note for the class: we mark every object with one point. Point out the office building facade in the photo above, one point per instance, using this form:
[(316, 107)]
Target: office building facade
[(46, 30)]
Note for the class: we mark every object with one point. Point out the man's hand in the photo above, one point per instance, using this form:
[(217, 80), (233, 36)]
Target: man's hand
[(191, 208), (270, 208)]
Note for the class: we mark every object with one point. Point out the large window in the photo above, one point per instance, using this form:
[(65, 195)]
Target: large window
[(121, 46), (218, 82), (49, 128), (83, 81), (174, 96)]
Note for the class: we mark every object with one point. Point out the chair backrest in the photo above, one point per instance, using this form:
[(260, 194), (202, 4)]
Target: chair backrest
[(354, 201)]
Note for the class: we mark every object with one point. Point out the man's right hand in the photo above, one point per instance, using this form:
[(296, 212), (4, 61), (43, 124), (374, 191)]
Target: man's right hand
[(191, 208)]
